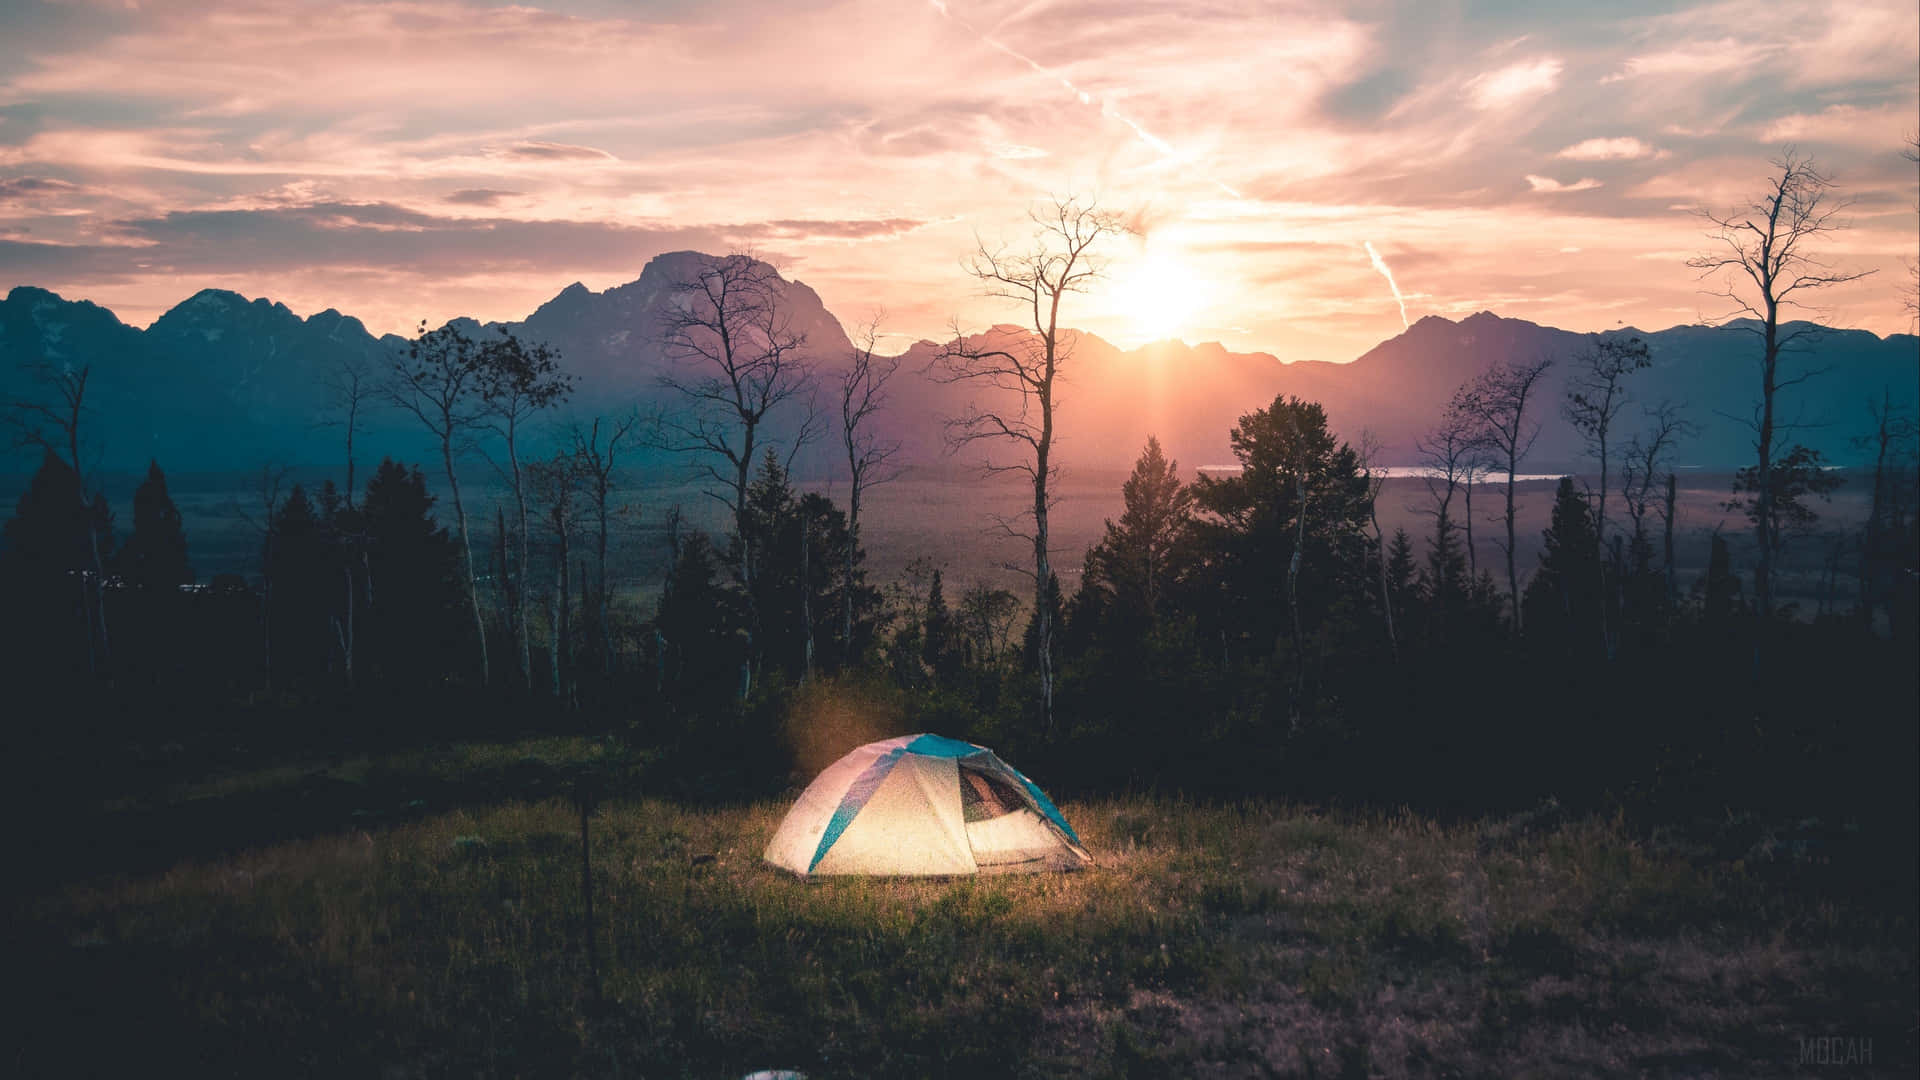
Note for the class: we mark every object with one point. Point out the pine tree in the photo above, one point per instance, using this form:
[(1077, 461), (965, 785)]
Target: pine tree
[(1401, 571), (45, 563), (155, 557), (1564, 595), (1131, 563), (939, 644), (416, 624)]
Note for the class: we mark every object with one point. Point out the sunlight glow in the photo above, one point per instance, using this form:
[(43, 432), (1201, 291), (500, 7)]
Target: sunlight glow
[(1160, 296)]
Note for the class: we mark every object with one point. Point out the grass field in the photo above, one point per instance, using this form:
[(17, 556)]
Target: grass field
[(1245, 940)]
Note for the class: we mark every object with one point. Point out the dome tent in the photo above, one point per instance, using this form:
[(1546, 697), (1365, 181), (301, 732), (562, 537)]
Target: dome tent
[(927, 805)]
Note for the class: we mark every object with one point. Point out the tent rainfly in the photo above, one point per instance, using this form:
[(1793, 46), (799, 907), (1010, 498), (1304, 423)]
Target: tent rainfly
[(923, 804)]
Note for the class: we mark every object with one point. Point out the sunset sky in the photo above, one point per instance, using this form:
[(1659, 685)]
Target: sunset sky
[(421, 160)]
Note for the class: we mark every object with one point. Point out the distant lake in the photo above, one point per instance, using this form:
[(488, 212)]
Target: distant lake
[(1404, 472)]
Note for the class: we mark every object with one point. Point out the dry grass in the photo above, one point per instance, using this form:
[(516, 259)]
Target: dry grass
[(1249, 940)]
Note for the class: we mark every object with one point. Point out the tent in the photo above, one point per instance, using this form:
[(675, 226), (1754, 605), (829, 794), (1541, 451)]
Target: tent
[(923, 804)]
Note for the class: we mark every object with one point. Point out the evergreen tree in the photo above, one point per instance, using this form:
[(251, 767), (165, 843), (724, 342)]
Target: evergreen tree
[(700, 622), (415, 626), (940, 645), (1564, 595), (45, 563), (1298, 483), (155, 556), (1132, 563), (1718, 590), (1401, 572), (1790, 480)]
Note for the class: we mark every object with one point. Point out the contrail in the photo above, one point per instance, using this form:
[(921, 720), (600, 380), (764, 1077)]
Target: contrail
[(1106, 107), (1380, 264)]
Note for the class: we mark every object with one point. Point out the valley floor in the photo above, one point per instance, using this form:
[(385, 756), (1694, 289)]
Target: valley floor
[(1258, 939)]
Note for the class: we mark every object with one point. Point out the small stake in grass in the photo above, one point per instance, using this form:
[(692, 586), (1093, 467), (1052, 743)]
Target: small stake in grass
[(584, 797)]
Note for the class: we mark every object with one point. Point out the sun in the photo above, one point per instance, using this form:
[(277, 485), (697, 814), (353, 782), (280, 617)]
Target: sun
[(1160, 295)]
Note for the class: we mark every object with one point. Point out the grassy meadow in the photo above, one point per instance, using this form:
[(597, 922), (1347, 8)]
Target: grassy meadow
[(444, 937)]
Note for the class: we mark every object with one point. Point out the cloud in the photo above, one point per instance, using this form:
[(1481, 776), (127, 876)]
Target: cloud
[(1883, 126), (394, 159), (1548, 186), (536, 150), (1514, 83), (847, 230), (479, 196), (1615, 149)]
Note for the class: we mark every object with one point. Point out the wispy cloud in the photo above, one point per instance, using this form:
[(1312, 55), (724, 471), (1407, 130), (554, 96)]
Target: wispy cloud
[(1549, 186), (1515, 83), (435, 157), (1622, 148)]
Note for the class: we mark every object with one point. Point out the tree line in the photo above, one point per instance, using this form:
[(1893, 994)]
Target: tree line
[(1230, 633)]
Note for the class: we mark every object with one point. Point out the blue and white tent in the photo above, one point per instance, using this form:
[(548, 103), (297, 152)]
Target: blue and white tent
[(923, 804)]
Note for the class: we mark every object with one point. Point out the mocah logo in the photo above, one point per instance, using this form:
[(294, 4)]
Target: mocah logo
[(1836, 1050)]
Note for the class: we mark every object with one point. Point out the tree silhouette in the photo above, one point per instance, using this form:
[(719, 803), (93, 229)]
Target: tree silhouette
[(735, 359), (1596, 395), (1497, 401), (516, 383), (438, 381), (863, 393), (1564, 597), (154, 557), (47, 560), (1768, 244), (1061, 260), (1131, 565)]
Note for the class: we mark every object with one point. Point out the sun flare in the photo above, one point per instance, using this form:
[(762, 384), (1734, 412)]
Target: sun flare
[(1160, 296)]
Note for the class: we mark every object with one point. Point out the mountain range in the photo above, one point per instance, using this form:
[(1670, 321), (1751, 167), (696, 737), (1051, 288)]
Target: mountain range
[(223, 382)]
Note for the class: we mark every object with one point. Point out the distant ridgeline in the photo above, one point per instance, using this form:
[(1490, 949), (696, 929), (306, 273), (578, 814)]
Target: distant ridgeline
[(222, 382)]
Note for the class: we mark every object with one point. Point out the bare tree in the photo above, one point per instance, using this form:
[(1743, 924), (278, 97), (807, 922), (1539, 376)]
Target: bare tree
[(1448, 451), (1596, 394), (267, 489), (351, 388), (1763, 252), (555, 483), (1060, 260), (598, 466), (53, 423), (517, 383), (1497, 400), (1646, 472), (438, 381), (863, 393), (735, 358)]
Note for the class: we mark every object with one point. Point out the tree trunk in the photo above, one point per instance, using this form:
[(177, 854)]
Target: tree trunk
[(526, 578), (509, 588), (746, 563), (846, 582), (578, 645), (1473, 564), (1513, 569), (1609, 646), (466, 546), (1293, 599), (346, 639), (1386, 595), (563, 630), (1673, 581), (1043, 612), (1763, 523), (806, 602), (601, 604)]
